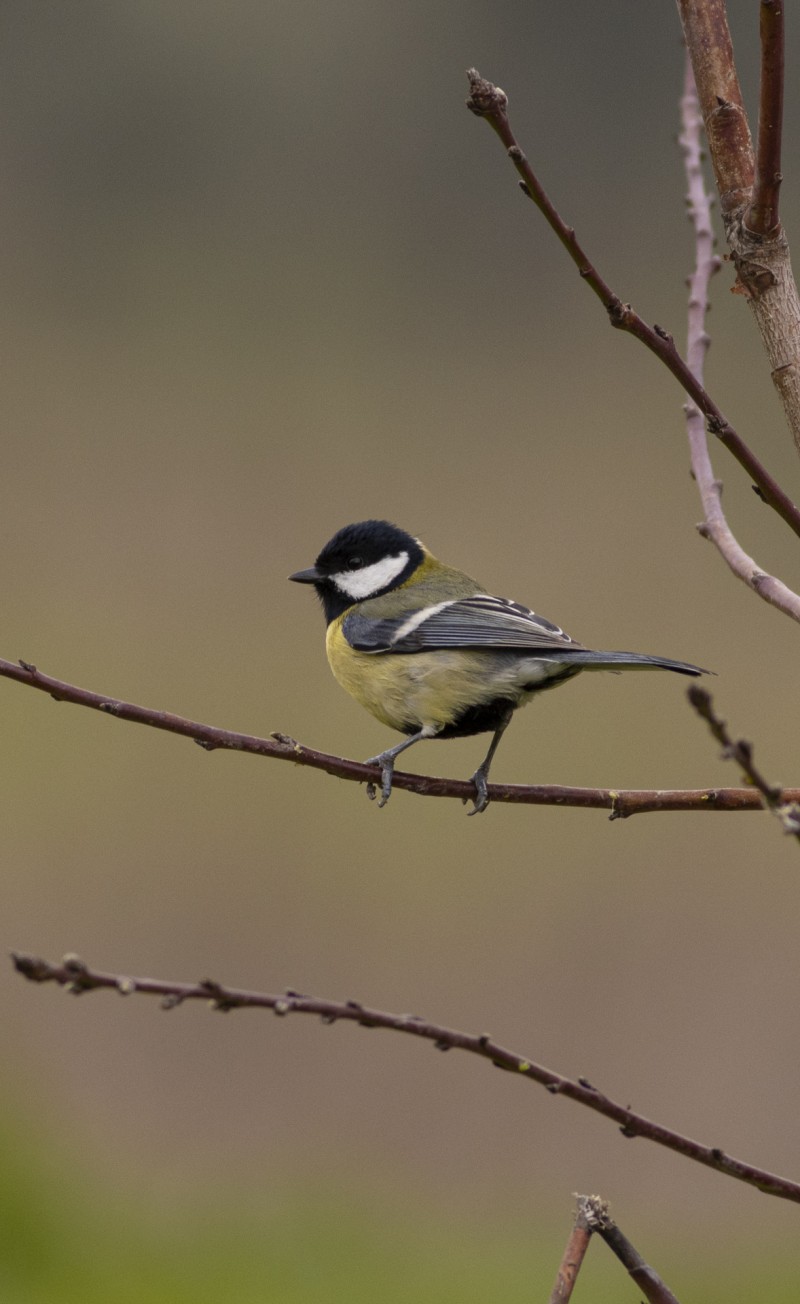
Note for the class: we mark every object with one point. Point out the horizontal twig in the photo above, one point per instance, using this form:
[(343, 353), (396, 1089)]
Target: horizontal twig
[(78, 978), (619, 803)]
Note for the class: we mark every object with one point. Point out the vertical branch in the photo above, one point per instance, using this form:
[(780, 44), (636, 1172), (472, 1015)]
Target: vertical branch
[(708, 40), (762, 215), (758, 244), (714, 527), (699, 208), (573, 1257)]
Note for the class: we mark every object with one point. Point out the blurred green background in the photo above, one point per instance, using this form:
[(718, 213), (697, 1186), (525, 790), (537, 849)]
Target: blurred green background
[(264, 275)]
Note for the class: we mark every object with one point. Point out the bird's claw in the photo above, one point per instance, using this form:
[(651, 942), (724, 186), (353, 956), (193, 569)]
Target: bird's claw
[(481, 798), (387, 771)]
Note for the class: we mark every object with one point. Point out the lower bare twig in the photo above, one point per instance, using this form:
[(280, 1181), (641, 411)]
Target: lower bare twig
[(785, 809), (596, 1216), (78, 978), (489, 102), (620, 804), (572, 1258)]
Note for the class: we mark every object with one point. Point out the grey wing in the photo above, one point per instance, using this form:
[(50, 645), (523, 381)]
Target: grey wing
[(481, 621)]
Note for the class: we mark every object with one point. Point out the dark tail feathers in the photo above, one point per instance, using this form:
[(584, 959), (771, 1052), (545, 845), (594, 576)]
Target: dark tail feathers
[(610, 660)]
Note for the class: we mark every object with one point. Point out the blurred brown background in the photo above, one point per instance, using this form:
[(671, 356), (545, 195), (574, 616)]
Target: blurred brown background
[(265, 275)]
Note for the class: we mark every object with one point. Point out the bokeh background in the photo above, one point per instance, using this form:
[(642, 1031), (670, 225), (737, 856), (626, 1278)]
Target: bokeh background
[(264, 275)]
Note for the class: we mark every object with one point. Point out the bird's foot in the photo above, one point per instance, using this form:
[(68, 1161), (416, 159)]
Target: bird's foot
[(481, 798), (386, 761)]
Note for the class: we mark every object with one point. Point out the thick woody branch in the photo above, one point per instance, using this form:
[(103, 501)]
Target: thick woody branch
[(743, 181), (489, 102), (619, 803), (749, 192), (714, 527), (78, 978), (762, 215), (708, 40)]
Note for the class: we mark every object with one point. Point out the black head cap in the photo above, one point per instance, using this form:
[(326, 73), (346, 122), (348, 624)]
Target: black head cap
[(365, 542), (357, 548)]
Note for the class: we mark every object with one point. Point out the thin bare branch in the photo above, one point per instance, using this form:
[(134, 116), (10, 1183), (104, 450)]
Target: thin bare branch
[(619, 803), (715, 526), (762, 215), (572, 1258), (77, 978), (596, 1215), (489, 102), (775, 799)]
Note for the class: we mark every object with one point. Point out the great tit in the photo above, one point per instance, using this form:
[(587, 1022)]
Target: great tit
[(430, 653)]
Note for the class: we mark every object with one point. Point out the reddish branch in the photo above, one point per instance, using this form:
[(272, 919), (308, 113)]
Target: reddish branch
[(762, 216), (78, 978), (620, 804), (489, 102), (573, 1256), (744, 181), (708, 39)]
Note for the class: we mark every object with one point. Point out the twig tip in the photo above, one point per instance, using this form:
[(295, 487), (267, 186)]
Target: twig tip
[(485, 99)]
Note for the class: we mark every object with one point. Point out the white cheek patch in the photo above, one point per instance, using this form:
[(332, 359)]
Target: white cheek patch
[(358, 584)]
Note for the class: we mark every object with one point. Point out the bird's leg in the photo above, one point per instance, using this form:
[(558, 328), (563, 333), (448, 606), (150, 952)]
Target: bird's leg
[(481, 775), (386, 761)]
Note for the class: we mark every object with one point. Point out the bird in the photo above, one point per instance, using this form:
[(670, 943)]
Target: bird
[(430, 653)]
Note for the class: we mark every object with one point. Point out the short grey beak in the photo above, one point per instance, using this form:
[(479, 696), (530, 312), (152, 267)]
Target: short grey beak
[(310, 576)]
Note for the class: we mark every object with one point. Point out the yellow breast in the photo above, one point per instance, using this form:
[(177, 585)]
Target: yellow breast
[(410, 692)]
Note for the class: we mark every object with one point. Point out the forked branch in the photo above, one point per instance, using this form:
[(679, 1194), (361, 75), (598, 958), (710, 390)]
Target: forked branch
[(591, 1217), (715, 526)]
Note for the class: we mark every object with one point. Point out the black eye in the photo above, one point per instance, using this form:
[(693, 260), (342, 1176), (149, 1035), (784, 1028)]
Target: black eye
[(354, 563)]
